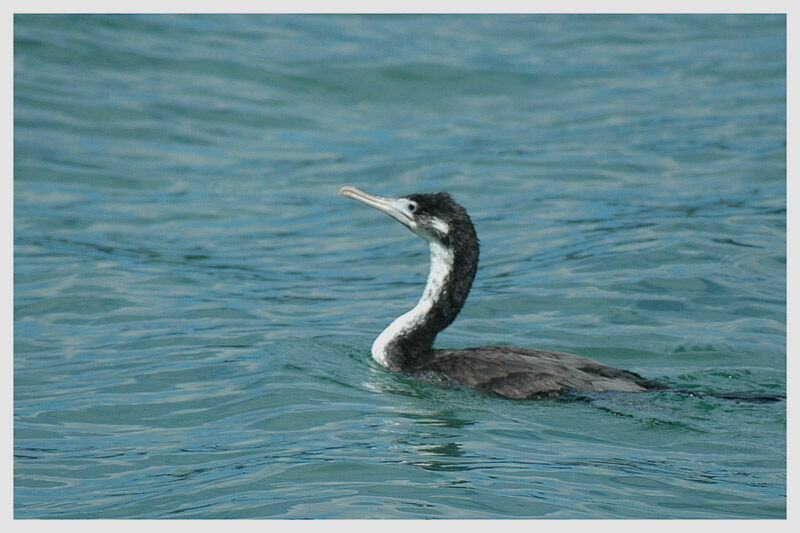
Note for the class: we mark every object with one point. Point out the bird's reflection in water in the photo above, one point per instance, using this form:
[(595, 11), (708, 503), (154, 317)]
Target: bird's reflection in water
[(431, 436)]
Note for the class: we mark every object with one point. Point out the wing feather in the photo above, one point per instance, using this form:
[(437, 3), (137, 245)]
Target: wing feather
[(526, 372)]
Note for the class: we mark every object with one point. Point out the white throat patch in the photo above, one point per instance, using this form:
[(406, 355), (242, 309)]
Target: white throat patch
[(441, 266)]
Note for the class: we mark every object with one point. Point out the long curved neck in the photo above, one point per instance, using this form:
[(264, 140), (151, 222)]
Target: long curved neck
[(407, 342)]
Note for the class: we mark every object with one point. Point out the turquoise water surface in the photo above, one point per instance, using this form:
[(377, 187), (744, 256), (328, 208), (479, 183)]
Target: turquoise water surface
[(194, 305)]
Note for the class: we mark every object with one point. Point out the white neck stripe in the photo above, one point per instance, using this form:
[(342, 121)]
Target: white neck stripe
[(440, 268)]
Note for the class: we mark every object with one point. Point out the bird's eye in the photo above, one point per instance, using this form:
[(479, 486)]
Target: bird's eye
[(412, 207)]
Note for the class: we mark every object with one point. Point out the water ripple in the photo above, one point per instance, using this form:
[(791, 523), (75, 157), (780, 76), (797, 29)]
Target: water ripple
[(194, 306)]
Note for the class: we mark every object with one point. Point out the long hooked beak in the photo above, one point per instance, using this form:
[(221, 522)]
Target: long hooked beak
[(394, 207)]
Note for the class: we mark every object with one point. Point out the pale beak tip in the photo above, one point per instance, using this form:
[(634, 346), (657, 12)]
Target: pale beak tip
[(350, 191)]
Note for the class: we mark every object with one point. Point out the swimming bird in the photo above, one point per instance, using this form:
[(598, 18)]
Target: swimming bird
[(407, 344), (520, 373)]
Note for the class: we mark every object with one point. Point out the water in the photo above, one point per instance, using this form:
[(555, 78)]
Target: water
[(194, 305)]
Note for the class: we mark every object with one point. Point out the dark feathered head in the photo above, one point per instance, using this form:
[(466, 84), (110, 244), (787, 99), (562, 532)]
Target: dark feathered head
[(432, 216)]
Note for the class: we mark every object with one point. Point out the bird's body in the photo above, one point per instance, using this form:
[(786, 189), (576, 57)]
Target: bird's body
[(530, 373), (406, 345)]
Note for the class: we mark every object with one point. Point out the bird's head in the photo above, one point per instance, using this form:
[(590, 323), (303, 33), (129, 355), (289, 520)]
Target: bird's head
[(435, 217)]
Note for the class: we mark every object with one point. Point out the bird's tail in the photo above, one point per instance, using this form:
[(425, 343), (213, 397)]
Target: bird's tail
[(745, 397)]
